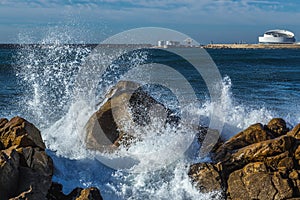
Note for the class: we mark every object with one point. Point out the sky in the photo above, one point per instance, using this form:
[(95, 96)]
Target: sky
[(91, 21)]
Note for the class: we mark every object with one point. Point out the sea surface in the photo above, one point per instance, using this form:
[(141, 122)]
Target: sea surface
[(40, 83)]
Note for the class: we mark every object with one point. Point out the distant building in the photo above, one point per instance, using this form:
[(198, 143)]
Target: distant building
[(161, 43), (277, 37), (172, 43), (168, 43)]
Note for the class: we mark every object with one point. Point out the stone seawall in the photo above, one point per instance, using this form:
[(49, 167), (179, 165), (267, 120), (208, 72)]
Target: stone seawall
[(252, 46)]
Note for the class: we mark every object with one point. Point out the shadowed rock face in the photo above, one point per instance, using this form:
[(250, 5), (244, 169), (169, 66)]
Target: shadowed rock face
[(126, 106), (25, 168), (261, 162)]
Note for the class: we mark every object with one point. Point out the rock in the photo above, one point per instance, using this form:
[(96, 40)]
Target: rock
[(254, 134), (9, 172), (278, 127), (206, 177), (89, 193), (255, 182), (261, 162), (19, 132), (295, 132), (25, 168), (126, 106), (55, 193)]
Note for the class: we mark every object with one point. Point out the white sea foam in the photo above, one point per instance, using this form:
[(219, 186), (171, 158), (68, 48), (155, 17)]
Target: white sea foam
[(55, 104)]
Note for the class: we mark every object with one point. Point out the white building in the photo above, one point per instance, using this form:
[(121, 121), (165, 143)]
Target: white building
[(172, 43), (161, 43), (277, 37)]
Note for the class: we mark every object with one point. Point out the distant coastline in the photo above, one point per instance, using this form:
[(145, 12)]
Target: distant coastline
[(208, 46), (252, 46)]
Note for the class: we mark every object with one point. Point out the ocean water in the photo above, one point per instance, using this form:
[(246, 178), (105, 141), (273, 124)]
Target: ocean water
[(40, 83)]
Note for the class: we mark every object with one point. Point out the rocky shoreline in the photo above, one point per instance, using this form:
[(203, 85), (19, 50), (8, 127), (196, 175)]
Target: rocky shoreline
[(261, 162), (26, 170)]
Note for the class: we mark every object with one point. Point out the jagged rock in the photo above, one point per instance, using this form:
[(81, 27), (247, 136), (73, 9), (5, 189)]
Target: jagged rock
[(55, 193), (255, 133), (25, 168), (278, 127), (126, 105), (21, 133), (206, 177), (255, 182), (261, 162), (295, 132)]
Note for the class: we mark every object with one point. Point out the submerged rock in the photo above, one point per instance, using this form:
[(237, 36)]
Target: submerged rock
[(25, 168), (261, 162)]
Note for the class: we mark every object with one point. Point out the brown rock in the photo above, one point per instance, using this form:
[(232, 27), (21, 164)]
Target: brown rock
[(264, 149), (126, 106), (253, 134), (295, 132), (9, 172), (297, 153), (278, 127), (89, 193), (21, 133), (206, 177), (255, 182), (3, 121)]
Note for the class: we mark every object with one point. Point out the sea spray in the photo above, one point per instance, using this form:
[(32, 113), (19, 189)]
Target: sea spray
[(48, 73)]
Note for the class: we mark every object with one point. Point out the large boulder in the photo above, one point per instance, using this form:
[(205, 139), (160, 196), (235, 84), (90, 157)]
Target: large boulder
[(261, 162), (126, 106)]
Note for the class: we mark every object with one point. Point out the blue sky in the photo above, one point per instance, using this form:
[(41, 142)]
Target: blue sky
[(91, 21)]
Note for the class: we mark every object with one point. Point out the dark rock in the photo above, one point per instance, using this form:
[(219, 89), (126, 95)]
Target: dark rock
[(9, 172), (55, 193)]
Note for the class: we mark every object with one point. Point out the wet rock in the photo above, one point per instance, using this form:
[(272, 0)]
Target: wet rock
[(295, 132), (261, 162), (55, 193), (206, 177), (126, 106), (255, 182), (9, 172), (254, 134), (25, 168), (278, 127), (21, 133)]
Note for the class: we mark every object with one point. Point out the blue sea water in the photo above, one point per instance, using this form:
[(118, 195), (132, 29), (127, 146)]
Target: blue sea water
[(39, 84)]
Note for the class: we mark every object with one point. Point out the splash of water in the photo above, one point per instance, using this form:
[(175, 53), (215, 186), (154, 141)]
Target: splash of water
[(49, 72)]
